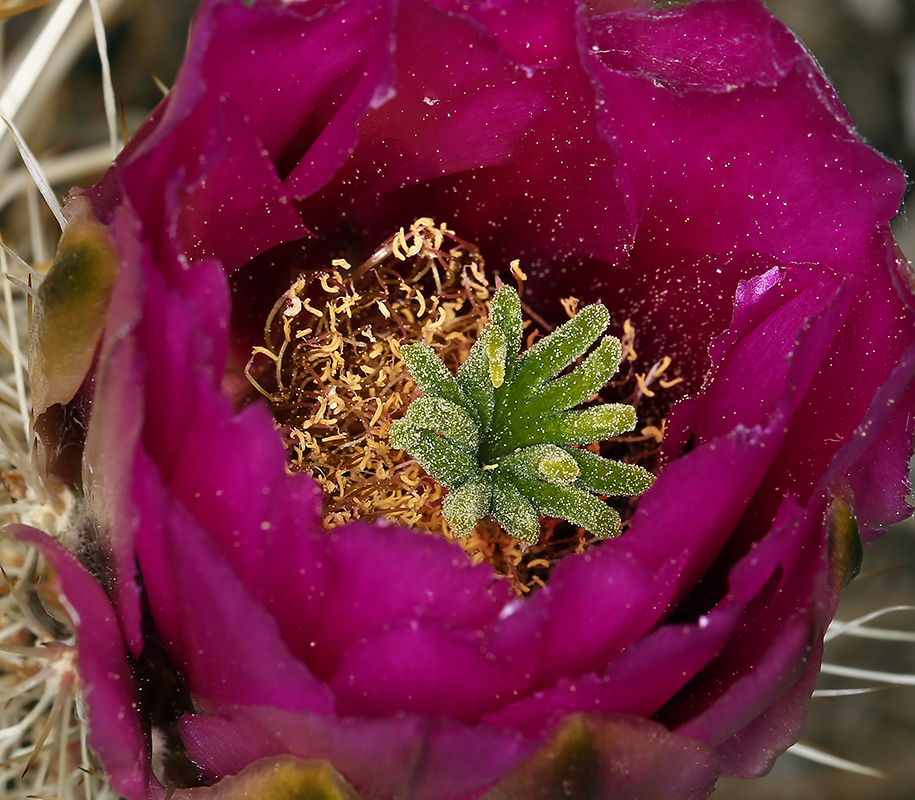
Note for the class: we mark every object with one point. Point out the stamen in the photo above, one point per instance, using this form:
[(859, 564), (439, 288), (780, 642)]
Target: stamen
[(570, 305), (336, 384)]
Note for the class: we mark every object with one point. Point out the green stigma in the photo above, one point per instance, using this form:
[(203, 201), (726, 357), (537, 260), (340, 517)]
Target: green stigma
[(503, 435)]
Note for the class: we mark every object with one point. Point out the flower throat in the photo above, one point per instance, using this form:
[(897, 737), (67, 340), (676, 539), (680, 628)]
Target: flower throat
[(358, 369)]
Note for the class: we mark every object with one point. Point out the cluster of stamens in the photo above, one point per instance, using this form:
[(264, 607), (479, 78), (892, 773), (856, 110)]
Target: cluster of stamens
[(336, 377), (333, 370)]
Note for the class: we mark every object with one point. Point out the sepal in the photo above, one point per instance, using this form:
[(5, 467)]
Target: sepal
[(596, 757), (553, 353), (277, 778), (442, 416), (513, 511), (573, 505), (448, 464), (71, 308), (582, 427)]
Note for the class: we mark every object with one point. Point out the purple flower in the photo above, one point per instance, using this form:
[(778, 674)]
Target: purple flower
[(689, 167)]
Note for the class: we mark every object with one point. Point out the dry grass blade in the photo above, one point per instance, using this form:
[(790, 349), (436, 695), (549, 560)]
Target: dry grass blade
[(111, 114), (857, 627), (35, 61), (43, 745), (60, 702), (900, 678), (16, 7), (821, 756), (37, 173), (18, 366)]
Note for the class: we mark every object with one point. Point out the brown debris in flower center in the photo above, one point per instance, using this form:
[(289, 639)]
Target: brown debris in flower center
[(336, 382), (333, 352)]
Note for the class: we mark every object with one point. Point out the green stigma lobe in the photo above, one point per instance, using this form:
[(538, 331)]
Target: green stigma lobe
[(495, 355)]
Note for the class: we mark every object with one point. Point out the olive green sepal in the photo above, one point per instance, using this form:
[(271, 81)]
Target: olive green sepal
[(71, 308), (277, 778), (597, 757), (846, 550)]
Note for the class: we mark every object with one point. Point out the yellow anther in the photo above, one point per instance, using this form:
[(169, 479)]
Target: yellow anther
[(399, 245), (570, 305), (293, 307), (326, 286), (643, 386), (306, 304), (654, 432)]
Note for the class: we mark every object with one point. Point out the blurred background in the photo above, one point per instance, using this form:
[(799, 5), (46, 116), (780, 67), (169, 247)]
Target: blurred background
[(867, 47)]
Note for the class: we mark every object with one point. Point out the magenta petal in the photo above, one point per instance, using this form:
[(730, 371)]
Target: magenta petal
[(752, 750), (205, 146), (757, 256), (677, 533), (772, 357), (206, 165), (626, 597), (529, 32), (782, 583), (109, 449), (735, 46), (259, 216), (176, 313), (277, 42), (638, 682), (764, 362), (427, 668), (176, 318), (697, 501), (751, 694), (715, 194), (712, 210), (584, 212), (435, 582), (260, 518), (876, 455), (879, 482), (407, 757), (193, 594), (309, 137), (443, 116), (263, 522), (862, 357), (115, 731)]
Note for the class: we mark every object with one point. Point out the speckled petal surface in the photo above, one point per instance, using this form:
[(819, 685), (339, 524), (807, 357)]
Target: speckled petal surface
[(407, 757)]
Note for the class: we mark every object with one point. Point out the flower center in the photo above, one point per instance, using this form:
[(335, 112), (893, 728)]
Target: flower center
[(338, 374)]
